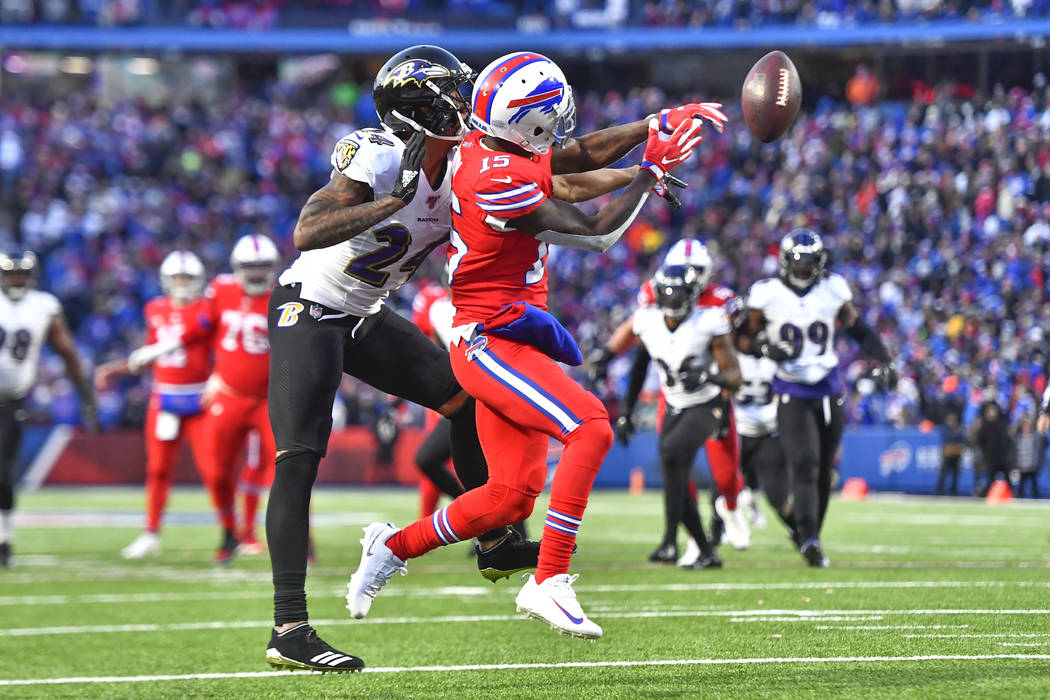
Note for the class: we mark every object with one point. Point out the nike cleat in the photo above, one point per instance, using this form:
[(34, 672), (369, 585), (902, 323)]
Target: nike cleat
[(554, 602), (145, 544), (813, 553), (664, 554), (738, 529), (227, 550), (378, 565)]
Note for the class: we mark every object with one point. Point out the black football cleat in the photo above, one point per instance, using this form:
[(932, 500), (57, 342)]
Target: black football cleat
[(718, 528), (510, 555), (706, 561), (5, 555), (227, 549), (813, 553), (664, 554), (300, 649)]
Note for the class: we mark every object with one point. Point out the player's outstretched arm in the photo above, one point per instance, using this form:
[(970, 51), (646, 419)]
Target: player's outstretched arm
[(564, 224), (581, 187), (345, 208), (602, 148), (598, 149), (60, 338)]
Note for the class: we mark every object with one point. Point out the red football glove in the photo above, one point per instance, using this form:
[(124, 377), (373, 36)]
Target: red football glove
[(664, 151), (671, 119)]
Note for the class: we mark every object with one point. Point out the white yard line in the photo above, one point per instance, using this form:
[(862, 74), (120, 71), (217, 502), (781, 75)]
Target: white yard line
[(895, 627), (977, 636), (523, 667), (758, 615), (495, 591)]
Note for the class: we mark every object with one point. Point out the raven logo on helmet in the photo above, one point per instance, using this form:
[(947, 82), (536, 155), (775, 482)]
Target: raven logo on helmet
[(414, 72)]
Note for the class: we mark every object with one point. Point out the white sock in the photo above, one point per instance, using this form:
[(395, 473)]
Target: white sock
[(6, 526)]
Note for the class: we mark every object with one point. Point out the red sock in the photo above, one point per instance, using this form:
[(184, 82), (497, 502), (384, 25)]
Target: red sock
[(253, 482), (157, 487), (585, 448)]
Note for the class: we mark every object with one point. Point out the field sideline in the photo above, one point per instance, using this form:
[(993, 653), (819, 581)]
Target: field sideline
[(925, 598)]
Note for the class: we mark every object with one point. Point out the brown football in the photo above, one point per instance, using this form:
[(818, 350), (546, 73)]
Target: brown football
[(771, 96)]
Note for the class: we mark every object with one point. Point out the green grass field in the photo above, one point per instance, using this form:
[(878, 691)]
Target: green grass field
[(925, 598)]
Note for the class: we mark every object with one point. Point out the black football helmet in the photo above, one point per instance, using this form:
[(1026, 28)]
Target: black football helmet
[(17, 275), (424, 87), (802, 258), (677, 288)]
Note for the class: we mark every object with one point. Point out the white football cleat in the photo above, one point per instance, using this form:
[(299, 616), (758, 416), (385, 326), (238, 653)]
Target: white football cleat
[(738, 530), (746, 500), (378, 565), (691, 555), (145, 544), (554, 602)]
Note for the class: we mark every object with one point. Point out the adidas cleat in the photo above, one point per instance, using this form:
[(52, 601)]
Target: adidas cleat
[(554, 602), (378, 565), (511, 555), (300, 649)]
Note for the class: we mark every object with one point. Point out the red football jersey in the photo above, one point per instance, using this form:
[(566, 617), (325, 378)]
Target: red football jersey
[(192, 363), (422, 304), (713, 295), (241, 345), (490, 263)]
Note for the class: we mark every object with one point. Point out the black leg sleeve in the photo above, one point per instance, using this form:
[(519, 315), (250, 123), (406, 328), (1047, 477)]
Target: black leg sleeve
[(682, 435), (10, 440), (288, 532), (435, 451)]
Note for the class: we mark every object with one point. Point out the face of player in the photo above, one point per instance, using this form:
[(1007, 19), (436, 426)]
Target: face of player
[(803, 268), (257, 278), (674, 301), (15, 284), (183, 287)]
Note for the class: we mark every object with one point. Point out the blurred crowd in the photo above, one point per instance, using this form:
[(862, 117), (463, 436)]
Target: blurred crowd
[(737, 14), (937, 212)]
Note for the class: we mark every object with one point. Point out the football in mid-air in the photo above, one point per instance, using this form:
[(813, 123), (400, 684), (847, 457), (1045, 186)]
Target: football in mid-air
[(771, 96)]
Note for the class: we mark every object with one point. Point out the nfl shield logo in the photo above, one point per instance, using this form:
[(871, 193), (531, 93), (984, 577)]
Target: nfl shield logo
[(316, 311), (431, 201)]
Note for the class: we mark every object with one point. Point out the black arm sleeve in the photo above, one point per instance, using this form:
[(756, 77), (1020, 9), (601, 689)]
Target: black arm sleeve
[(637, 379), (870, 343)]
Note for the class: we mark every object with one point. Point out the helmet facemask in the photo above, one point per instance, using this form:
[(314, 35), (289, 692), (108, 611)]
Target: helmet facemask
[(676, 291), (17, 275), (256, 278)]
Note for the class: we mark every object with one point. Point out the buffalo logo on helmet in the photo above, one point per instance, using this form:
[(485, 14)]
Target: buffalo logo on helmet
[(546, 97), (414, 72)]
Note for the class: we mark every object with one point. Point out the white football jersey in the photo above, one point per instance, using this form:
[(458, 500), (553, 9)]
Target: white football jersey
[(806, 322), (673, 350), (24, 325), (357, 275), (753, 405)]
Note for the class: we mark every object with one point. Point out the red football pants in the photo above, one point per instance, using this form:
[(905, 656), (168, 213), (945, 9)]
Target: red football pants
[(229, 420), (161, 456), (523, 399)]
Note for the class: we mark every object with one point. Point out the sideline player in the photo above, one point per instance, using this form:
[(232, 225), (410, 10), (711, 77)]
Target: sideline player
[(28, 319), (432, 313), (504, 215), (178, 335), (723, 448), (235, 399), (791, 319), (684, 340)]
